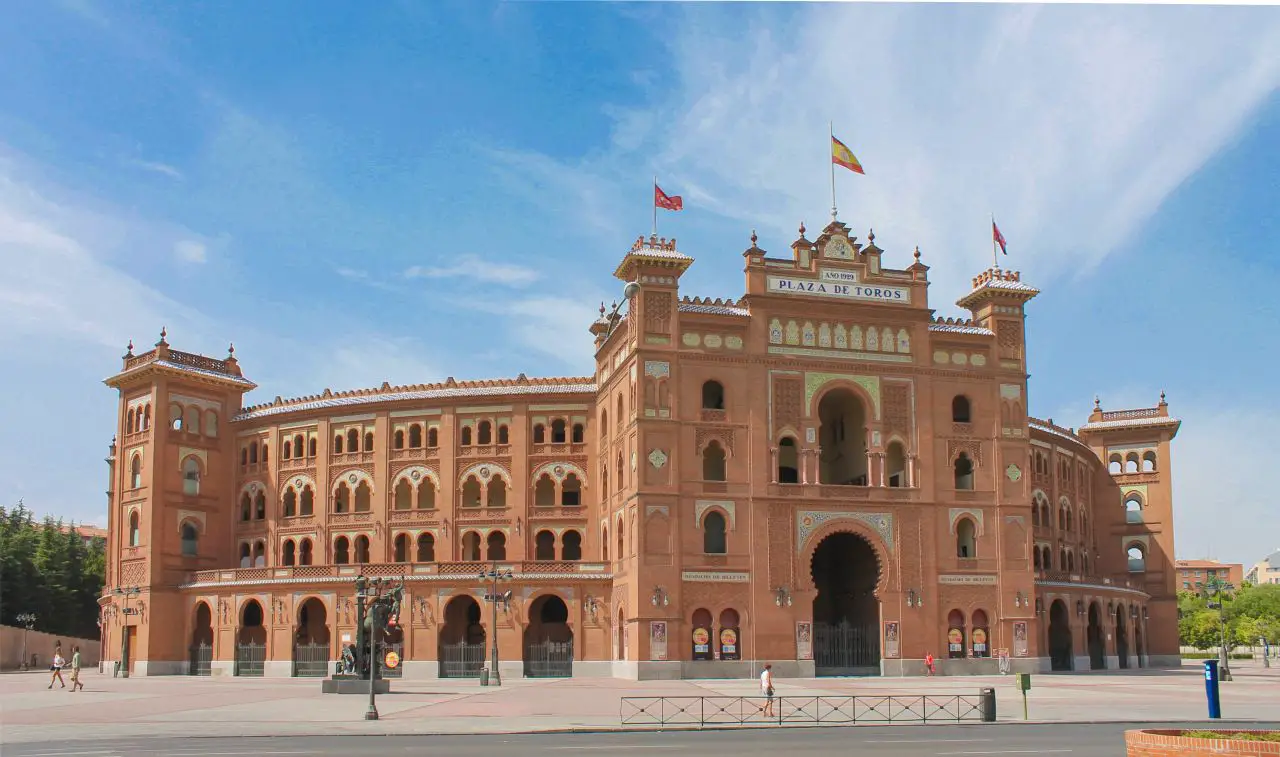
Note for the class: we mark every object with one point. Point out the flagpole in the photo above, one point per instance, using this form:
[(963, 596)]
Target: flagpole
[(655, 205), (831, 133), (995, 260)]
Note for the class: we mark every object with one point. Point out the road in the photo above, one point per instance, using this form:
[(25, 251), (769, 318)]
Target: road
[(1077, 740)]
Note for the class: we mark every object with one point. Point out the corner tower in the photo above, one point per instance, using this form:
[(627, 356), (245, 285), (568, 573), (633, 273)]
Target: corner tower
[(170, 496)]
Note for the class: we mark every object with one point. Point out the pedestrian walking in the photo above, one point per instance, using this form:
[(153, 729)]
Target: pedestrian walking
[(75, 670), (766, 688), (58, 663), (928, 662)]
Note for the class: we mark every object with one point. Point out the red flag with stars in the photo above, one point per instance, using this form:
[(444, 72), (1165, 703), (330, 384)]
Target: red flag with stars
[(666, 202), (997, 237)]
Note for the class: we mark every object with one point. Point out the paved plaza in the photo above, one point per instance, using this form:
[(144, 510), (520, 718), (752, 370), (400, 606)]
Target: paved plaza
[(179, 706)]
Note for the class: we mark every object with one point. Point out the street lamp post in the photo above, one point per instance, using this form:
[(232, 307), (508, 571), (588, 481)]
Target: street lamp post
[(122, 668), (28, 621), (1217, 586), (493, 574)]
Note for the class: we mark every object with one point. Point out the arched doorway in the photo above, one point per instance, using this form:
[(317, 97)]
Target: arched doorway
[(311, 650), (1137, 642), (251, 641), (1097, 644), (1060, 644), (202, 641), (462, 639), (548, 640), (1122, 638), (846, 611), (842, 438)]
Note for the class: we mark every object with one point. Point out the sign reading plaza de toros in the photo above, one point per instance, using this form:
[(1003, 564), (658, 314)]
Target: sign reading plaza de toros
[(841, 284)]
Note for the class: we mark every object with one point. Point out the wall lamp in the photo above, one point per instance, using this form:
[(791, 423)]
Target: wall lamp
[(782, 597), (914, 598), (659, 597), (1020, 600)]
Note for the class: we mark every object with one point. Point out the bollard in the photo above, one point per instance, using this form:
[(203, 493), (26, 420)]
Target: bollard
[(1211, 689), (484, 676), (988, 704)]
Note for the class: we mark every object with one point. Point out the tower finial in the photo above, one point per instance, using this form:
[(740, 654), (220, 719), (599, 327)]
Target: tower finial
[(802, 228), (164, 333), (871, 236), (916, 254), (1097, 404), (231, 349), (1162, 402), (753, 238)]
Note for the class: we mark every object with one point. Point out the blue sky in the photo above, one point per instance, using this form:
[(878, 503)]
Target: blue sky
[(418, 190)]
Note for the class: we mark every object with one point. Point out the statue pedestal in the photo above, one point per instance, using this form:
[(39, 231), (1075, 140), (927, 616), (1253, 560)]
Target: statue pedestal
[(350, 684)]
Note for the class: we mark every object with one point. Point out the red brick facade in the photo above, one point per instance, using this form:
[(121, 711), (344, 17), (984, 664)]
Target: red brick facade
[(1174, 744), (821, 474)]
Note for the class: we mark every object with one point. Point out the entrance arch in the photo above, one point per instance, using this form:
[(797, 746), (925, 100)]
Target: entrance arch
[(846, 610), (462, 639), (1061, 647), (202, 641), (251, 641), (1122, 638), (311, 650), (1097, 644), (548, 640), (842, 436)]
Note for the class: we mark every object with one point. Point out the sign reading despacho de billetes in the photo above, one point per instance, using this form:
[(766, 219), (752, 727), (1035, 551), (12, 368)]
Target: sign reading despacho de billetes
[(839, 289)]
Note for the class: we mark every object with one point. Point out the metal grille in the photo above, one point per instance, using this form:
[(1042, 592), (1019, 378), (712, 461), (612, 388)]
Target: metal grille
[(461, 660), (383, 670), (251, 659), (549, 659), (845, 650), (747, 711), (311, 660), (201, 660)]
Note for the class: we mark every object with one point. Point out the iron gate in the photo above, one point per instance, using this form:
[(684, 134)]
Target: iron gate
[(251, 659), (311, 660), (549, 659), (461, 660), (201, 660), (846, 650), (383, 670)]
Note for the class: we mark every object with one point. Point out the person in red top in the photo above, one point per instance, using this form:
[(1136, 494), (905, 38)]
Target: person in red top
[(928, 662)]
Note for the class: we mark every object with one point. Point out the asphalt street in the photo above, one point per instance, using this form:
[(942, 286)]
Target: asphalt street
[(1077, 740)]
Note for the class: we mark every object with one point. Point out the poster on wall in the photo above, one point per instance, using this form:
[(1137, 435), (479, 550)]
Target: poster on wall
[(701, 644), (729, 649), (658, 640), (955, 642), (804, 640), (1020, 638), (980, 643), (891, 639)]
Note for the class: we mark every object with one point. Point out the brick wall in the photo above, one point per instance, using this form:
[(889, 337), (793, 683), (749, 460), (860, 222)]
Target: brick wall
[(1172, 743)]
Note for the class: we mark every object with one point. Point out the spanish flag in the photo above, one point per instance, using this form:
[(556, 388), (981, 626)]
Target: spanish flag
[(843, 156)]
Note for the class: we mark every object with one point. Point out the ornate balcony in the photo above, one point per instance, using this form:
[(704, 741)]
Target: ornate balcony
[(452, 572)]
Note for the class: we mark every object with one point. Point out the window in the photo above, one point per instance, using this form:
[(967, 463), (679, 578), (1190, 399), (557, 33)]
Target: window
[(1131, 463), (368, 441), (304, 552), (1137, 559), (246, 556), (426, 548), (539, 434), (426, 494), (1148, 462), (402, 548), (363, 495), (544, 546), (135, 472), (342, 498), (191, 477), (260, 506), (713, 462), (311, 447), (964, 472), (471, 546), (433, 438), (497, 492), (896, 465), (288, 451), (353, 441), (288, 555), (398, 439), (497, 543), (471, 492), (966, 541), (504, 435), (544, 492), (712, 396), (466, 436), (246, 507), (362, 549), (253, 452), (415, 436), (134, 530), (337, 444), (557, 431), (308, 501), (1133, 509), (175, 417), (571, 546), (571, 491), (960, 409), (713, 533), (788, 461), (341, 551), (485, 433), (190, 540), (290, 503), (403, 495), (579, 433)]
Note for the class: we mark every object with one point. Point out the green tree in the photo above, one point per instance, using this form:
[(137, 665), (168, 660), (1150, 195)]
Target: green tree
[(49, 573)]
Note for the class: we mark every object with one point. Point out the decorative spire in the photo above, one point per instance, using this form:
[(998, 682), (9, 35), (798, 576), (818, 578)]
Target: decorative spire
[(754, 238), (802, 229), (231, 350), (164, 332), (1097, 404), (916, 254), (129, 353), (871, 236), (1162, 402)]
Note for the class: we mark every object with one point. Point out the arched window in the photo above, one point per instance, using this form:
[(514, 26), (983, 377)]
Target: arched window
[(955, 634), (337, 444), (433, 438), (539, 433), (290, 503), (557, 431), (896, 464), (960, 409), (311, 447), (1035, 514), (1137, 558), (368, 441), (579, 433), (341, 551), (131, 426), (403, 497), (1131, 463), (497, 492), (353, 440), (544, 546), (244, 456), (246, 556), (1133, 509), (571, 546), (191, 420), (175, 417), (398, 439), (308, 501), (1148, 462), (1035, 552), (571, 491), (362, 549), (210, 424), (466, 436), (544, 491), (471, 492), (260, 506), (621, 543), (471, 546), (191, 476), (304, 552), (402, 548), (504, 435), (246, 507), (604, 424), (288, 556), (363, 497), (259, 554), (342, 498), (135, 472), (497, 543), (426, 494), (604, 543), (485, 433), (604, 480), (713, 533), (981, 645), (712, 395), (415, 436), (1071, 562), (135, 538), (966, 539), (426, 548), (964, 472), (788, 461), (620, 471), (288, 451), (713, 462), (253, 453), (190, 540), (1046, 558)]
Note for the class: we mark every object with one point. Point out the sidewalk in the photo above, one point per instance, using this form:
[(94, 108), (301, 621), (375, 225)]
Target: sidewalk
[(180, 706)]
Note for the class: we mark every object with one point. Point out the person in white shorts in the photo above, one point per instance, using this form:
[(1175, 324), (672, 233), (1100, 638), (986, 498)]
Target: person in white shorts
[(766, 688)]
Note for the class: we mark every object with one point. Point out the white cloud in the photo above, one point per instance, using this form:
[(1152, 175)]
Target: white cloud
[(160, 168), (191, 251), (477, 269)]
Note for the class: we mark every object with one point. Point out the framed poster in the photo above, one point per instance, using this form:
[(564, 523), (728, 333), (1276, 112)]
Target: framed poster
[(891, 639), (702, 644), (658, 640), (955, 642), (979, 639), (1020, 638), (804, 640), (729, 649)]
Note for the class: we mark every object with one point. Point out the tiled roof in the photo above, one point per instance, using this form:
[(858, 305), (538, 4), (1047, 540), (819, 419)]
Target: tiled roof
[(1131, 423), (949, 328), (1058, 431), (713, 309), (1010, 286), (187, 369), (463, 389)]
